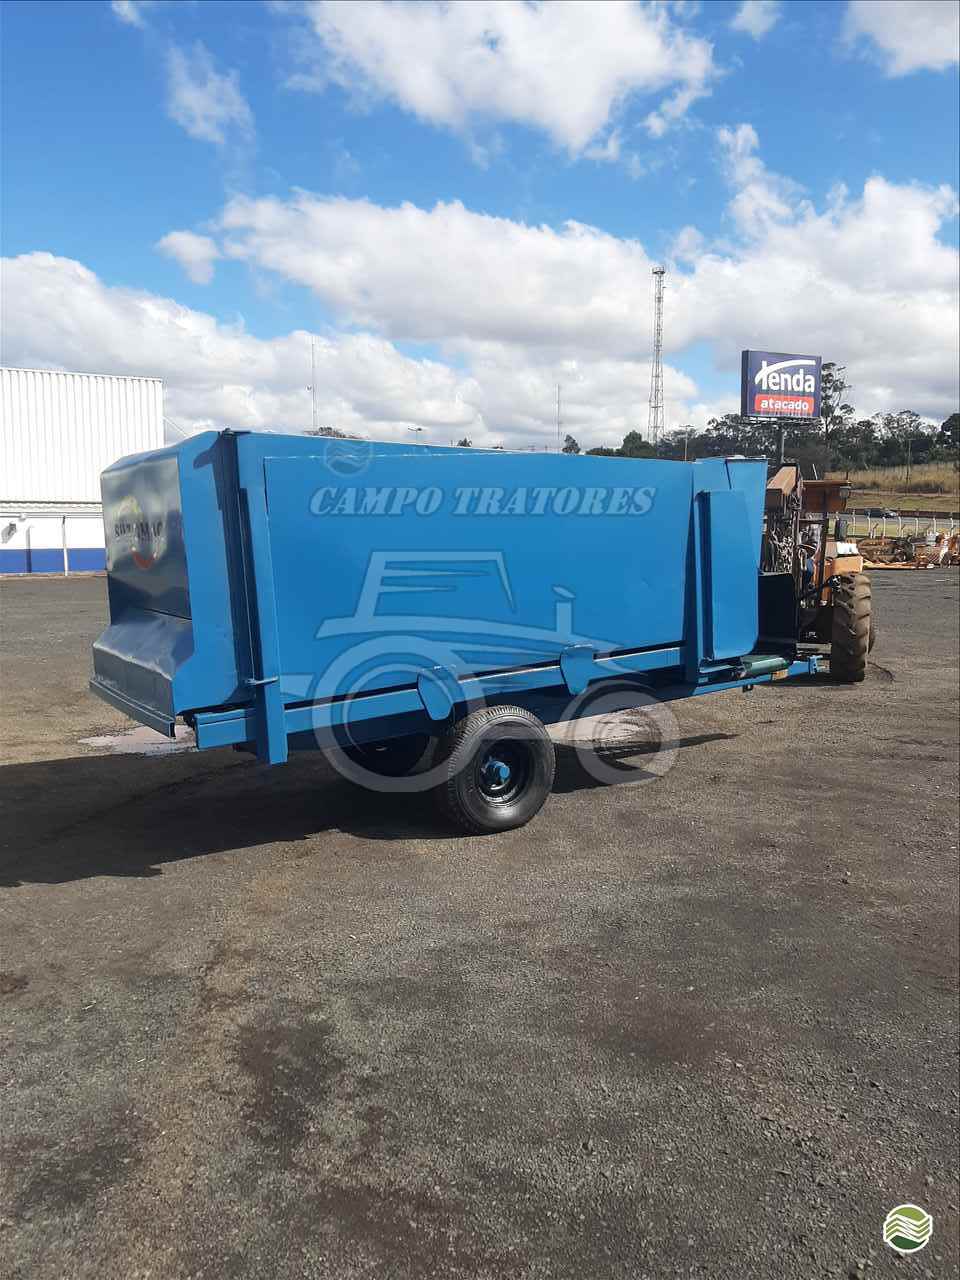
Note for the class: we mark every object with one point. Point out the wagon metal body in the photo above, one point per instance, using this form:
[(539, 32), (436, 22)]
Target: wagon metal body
[(280, 591)]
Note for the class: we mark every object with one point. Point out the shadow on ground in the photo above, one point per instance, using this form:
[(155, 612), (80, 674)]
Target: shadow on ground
[(127, 816)]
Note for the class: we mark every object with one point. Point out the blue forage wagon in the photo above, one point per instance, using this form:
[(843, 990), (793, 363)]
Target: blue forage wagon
[(426, 612)]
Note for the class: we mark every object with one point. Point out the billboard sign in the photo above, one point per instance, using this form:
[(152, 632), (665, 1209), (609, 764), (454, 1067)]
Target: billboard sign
[(774, 384)]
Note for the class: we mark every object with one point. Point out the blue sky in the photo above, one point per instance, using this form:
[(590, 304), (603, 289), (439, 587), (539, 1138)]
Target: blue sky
[(124, 123)]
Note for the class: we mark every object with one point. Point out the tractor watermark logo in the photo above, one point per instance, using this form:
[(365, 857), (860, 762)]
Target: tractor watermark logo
[(347, 458), (440, 661), (907, 1228)]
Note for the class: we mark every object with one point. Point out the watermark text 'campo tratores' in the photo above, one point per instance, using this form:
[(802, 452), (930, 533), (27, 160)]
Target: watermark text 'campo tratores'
[(487, 500)]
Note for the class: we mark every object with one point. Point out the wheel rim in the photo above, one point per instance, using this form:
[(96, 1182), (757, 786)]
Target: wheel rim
[(502, 770)]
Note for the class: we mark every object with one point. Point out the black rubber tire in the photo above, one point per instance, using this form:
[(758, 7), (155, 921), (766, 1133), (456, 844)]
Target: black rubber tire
[(823, 624), (461, 752), (850, 642), (392, 758)]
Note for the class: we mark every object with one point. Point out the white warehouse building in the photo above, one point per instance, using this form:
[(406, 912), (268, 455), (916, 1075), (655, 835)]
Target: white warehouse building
[(58, 431)]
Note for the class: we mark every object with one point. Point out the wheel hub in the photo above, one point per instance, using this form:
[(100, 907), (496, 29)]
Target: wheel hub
[(502, 770), (495, 774)]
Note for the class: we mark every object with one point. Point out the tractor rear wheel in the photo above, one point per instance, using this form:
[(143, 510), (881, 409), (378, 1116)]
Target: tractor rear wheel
[(850, 638)]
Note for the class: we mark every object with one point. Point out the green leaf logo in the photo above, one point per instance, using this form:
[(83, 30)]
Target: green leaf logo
[(907, 1228)]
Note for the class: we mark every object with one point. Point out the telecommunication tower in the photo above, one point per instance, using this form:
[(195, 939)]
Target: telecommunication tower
[(655, 418), (313, 386)]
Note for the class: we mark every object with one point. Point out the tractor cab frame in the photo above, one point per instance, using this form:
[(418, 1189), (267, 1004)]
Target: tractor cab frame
[(805, 540)]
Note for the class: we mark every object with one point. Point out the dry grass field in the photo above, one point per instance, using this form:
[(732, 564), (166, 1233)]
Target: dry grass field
[(939, 479), (908, 504)]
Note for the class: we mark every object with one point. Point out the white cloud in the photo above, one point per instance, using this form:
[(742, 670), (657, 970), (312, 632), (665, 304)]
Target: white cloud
[(671, 110), (756, 17), (865, 280), (131, 11), (603, 397), (195, 253), (207, 103), (514, 309), (607, 148), (907, 35), (761, 196), (57, 313), (447, 273), (635, 167), (565, 69), (687, 245)]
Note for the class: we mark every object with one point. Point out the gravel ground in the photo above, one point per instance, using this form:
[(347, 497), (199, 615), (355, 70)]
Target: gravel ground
[(261, 1024)]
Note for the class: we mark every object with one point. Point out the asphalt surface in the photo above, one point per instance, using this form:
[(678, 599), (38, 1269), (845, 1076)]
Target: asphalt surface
[(259, 1023)]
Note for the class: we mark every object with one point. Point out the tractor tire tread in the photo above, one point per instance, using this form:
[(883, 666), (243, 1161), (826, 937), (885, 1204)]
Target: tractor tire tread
[(850, 640)]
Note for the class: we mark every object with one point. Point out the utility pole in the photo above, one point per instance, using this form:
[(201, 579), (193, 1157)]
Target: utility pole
[(313, 383), (655, 416), (559, 446)]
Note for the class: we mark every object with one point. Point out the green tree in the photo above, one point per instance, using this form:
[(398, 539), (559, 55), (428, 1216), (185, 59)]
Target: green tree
[(950, 431), (731, 434), (634, 446), (570, 445), (333, 433), (464, 443), (905, 440), (854, 445), (683, 443), (835, 412)]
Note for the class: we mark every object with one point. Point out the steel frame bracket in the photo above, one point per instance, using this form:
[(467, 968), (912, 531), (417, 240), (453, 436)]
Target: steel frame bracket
[(271, 739), (438, 690), (576, 667)]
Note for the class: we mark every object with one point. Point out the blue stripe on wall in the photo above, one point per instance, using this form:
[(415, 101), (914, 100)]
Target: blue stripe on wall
[(50, 559), (13, 561), (83, 559), (32, 560)]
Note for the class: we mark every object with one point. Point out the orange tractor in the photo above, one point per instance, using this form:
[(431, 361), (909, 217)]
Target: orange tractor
[(804, 537)]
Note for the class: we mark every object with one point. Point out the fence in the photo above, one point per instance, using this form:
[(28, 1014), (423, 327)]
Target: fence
[(65, 539), (902, 524)]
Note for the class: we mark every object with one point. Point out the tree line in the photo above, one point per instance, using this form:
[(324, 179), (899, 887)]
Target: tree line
[(840, 441)]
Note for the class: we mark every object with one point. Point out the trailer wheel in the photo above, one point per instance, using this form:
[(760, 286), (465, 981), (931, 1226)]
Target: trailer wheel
[(392, 758), (499, 764), (850, 641)]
